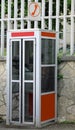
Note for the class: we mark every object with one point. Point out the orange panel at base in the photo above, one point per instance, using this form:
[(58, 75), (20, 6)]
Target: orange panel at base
[(47, 107)]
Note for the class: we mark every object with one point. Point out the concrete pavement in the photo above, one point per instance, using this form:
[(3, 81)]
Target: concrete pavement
[(56, 126)]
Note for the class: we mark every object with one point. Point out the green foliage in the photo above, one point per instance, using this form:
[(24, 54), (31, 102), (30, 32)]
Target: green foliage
[(68, 122), (26, 8), (12, 9), (68, 6), (59, 76), (59, 58), (6, 6)]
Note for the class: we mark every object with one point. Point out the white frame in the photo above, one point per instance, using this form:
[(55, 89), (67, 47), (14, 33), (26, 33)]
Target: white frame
[(38, 78)]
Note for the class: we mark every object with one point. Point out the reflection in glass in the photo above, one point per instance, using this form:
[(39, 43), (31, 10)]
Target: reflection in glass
[(48, 79), (15, 60), (48, 51), (28, 117), (28, 60), (15, 101)]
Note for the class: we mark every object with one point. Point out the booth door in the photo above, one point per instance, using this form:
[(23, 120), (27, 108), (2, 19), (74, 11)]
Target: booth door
[(28, 80), (22, 81)]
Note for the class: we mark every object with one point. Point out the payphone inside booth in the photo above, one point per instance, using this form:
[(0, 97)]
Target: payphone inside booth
[(31, 77)]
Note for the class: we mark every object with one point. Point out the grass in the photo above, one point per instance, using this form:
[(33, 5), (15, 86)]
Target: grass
[(4, 53), (68, 122)]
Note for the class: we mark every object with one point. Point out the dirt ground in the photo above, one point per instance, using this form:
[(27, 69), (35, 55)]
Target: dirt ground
[(56, 126)]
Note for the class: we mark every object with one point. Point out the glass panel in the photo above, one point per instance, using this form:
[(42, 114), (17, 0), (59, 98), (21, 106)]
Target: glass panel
[(28, 60), (15, 101), (15, 60), (28, 108), (48, 79), (48, 51)]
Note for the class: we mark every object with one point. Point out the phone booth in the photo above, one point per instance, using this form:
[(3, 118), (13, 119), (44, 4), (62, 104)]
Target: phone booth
[(31, 77)]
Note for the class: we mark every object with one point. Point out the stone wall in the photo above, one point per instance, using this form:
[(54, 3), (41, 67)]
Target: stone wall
[(2, 89), (66, 92)]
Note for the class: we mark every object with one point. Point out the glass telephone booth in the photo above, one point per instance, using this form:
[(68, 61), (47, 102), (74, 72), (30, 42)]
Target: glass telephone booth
[(31, 77)]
